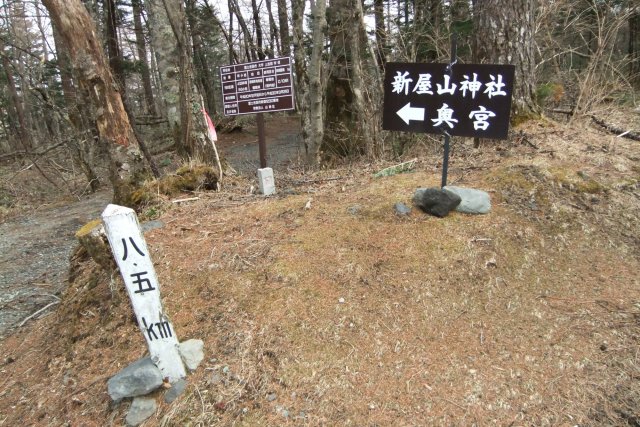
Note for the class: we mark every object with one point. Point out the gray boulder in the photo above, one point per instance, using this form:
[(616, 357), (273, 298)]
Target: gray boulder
[(192, 353), (141, 409), (472, 201), (436, 201), (137, 379)]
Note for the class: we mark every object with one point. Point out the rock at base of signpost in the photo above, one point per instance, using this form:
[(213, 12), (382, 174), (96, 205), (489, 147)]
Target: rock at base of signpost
[(192, 353), (141, 409), (401, 209), (436, 201), (473, 201), (137, 379), (177, 388)]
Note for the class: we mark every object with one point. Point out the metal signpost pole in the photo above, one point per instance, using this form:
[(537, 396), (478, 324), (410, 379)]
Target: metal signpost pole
[(262, 141), (447, 136)]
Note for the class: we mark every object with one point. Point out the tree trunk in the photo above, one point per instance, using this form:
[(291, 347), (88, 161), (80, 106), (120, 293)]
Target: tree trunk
[(285, 38), (250, 46), (504, 34), (381, 33), (258, 28), (24, 135), (634, 46), (233, 58), (316, 88), (301, 76), (347, 130), (78, 34), (141, 47), (76, 145), (201, 65), (193, 134), (274, 43), (165, 48), (113, 47)]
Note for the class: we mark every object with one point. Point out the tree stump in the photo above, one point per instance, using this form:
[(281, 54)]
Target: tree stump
[(93, 239)]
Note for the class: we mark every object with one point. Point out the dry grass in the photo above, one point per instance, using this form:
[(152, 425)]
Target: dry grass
[(345, 314)]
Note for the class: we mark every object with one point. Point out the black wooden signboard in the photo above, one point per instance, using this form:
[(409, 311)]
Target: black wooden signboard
[(257, 87), (470, 100)]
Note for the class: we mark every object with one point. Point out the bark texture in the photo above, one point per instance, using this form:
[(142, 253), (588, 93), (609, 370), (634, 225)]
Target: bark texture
[(301, 76), (283, 21), (141, 48), (77, 33), (167, 54), (634, 46), (504, 34)]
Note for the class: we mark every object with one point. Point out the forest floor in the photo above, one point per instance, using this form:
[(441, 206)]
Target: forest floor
[(320, 306)]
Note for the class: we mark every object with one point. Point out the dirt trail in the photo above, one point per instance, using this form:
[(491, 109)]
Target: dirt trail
[(284, 145), (34, 256), (35, 246)]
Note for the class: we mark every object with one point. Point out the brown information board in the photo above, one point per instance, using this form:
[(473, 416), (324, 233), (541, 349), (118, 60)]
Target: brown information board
[(257, 87)]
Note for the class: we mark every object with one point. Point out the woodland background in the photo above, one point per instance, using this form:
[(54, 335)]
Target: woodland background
[(110, 82)]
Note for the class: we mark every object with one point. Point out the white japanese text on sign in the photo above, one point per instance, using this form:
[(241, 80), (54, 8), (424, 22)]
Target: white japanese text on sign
[(472, 100)]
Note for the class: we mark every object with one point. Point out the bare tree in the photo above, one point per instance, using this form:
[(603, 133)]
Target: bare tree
[(283, 20), (78, 34)]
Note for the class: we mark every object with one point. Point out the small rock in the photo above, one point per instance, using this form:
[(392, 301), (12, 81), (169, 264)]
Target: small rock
[(191, 353), (341, 300), (139, 378), (471, 201), (436, 201), (141, 409), (271, 397), (176, 390), (354, 210), (226, 370), (151, 225), (401, 209)]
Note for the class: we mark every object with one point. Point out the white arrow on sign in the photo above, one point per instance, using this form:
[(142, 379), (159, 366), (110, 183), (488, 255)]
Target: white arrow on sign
[(408, 112)]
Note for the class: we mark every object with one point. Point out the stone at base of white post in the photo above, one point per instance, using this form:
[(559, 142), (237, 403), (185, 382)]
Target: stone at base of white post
[(266, 181)]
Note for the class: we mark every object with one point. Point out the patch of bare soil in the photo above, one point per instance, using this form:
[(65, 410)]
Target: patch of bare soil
[(322, 307), (34, 256)]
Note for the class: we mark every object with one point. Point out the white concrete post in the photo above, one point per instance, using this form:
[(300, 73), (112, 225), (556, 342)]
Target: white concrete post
[(130, 251), (266, 181)]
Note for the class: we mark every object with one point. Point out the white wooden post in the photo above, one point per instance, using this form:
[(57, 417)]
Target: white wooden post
[(130, 251)]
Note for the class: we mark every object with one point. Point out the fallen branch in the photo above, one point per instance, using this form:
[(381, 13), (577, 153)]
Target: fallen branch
[(312, 181), (621, 133), (561, 111), (190, 199), (36, 313)]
